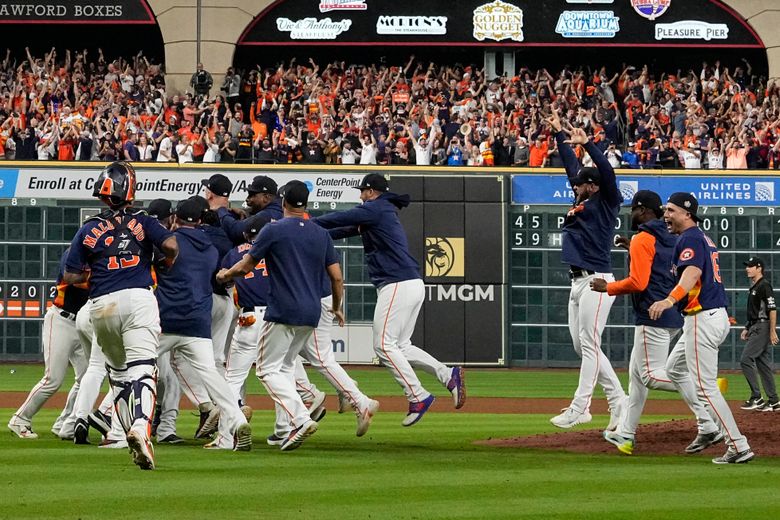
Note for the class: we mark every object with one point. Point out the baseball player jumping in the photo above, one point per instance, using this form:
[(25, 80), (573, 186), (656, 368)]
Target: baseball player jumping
[(587, 242), (114, 250), (650, 278), (400, 292), (700, 291)]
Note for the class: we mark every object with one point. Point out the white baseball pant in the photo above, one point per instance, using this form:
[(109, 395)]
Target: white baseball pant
[(199, 353), (243, 350), (279, 346), (395, 315), (588, 312), (223, 317), (318, 351), (61, 346), (648, 370), (127, 328), (702, 335), (168, 395)]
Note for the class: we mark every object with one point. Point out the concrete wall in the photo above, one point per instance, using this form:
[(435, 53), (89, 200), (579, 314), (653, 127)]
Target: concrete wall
[(223, 21)]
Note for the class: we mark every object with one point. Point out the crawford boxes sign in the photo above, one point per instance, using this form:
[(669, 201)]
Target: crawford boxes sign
[(95, 12)]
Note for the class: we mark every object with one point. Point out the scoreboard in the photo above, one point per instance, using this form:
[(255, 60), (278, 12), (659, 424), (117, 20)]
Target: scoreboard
[(540, 283)]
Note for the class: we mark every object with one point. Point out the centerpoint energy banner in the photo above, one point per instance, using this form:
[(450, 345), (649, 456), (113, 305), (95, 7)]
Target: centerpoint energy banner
[(70, 12), (650, 23), (77, 184)]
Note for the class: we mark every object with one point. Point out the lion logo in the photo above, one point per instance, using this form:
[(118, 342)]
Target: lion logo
[(443, 257)]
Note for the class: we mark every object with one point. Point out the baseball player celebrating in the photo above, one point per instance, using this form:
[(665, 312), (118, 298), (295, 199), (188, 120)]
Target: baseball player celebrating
[(114, 249), (263, 203), (706, 324), (295, 252), (587, 242), (400, 292), (184, 295), (760, 332), (650, 279), (60, 345)]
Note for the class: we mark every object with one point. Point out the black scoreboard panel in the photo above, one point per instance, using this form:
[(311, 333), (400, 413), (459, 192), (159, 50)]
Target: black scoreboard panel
[(538, 310)]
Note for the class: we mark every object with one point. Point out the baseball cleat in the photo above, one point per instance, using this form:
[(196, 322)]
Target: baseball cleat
[(318, 401), (571, 417), (616, 413), (623, 444), (753, 403), (247, 411), (770, 407), (298, 435), (209, 423), (170, 439), (417, 410), (723, 385), (457, 386), (23, 431), (318, 413), (81, 432), (243, 438), (113, 444), (100, 421), (733, 456), (703, 441), (344, 403), (364, 417), (141, 449), (274, 440)]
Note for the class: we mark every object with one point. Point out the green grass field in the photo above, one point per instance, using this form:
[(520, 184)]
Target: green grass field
[(432, 470)]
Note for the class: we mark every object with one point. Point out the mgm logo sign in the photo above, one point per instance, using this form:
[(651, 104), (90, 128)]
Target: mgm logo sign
[(444, 257)]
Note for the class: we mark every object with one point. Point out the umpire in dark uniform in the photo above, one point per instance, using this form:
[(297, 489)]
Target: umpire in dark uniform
[(760, 331)]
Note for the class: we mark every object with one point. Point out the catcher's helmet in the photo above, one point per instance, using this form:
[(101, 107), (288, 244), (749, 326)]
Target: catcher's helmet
[(116, 183)]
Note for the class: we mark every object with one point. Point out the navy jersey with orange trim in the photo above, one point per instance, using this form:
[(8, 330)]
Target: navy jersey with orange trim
[(650, 274), (694, 248), (118, 249), (69, 297), (251, 290), (588, 229)]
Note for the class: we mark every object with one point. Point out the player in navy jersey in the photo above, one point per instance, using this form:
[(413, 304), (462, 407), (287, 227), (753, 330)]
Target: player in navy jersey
[(587, 242), (61, 345), (114, 250), (700, 293), (400, 292), (264, 205), (295, 252)]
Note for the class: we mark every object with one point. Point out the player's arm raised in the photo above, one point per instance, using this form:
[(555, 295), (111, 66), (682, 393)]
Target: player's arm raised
[(688, 280), (567, 154), (608, 186)]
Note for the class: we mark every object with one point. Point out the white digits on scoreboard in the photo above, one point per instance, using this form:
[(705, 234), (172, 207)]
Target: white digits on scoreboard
[(32, 291)]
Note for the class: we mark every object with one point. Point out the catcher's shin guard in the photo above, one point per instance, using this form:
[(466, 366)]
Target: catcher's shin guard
[(135, 392)]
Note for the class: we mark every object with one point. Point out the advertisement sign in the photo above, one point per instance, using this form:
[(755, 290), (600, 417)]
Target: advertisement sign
[(502, 23), (95, 12), (313, 29), (77, 184), (651, 9), (691, 30), (411, 25), (709, 191), (588, 24), (342, 5)]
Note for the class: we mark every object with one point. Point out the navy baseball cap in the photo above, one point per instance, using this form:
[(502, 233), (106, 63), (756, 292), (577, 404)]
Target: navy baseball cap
[(587, 175), (159, 209), (296, 194), (373, 181), (754, 261), (262, 184), (218, 184), (687, 202), (648, 199), (189, 210)]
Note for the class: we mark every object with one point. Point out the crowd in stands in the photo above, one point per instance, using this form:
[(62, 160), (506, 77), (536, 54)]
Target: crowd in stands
[(82, 106)]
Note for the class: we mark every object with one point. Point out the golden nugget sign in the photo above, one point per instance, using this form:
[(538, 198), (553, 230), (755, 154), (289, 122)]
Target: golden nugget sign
[(498, 21)]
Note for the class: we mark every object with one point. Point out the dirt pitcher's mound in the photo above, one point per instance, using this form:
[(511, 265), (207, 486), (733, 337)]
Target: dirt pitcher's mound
[(668, 438)]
